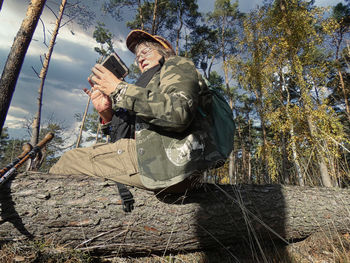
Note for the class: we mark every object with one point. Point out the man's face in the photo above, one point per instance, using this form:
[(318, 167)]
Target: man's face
[(147, 57)]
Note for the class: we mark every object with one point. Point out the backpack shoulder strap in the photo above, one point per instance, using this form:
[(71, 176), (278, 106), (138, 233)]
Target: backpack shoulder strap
[(127, 198)]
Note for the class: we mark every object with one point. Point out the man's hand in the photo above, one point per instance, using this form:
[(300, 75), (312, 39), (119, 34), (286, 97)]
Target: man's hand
[(101, 102), (105, 81)]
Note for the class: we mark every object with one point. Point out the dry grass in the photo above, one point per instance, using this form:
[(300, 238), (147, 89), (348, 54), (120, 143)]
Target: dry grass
[(322, 247), (319, 248), (41, 252)]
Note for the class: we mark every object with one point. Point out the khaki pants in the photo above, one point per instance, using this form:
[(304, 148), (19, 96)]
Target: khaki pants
[(115, 161)]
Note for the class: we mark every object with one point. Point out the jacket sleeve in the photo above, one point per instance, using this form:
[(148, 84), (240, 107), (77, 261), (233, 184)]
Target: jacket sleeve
[(172, 104)]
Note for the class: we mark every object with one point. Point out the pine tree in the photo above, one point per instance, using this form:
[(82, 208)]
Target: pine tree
[(296, 26), (224, 19), (36, 122), (16, 57)]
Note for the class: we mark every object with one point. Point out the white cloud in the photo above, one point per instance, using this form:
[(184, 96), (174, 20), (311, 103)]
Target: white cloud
[(13, 122), (17, 110), (62, 57), (78, 38)]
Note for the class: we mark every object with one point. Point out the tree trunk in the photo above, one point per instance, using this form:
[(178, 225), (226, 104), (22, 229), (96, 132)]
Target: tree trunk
[(37, 120), (347, 107), (299, 173), (83, 123), (325, 177), (178, 31), (139, 7), (85, 213), (155, 13), (16, 57)]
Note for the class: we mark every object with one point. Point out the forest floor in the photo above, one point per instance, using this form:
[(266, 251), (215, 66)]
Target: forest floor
[(318, 248)]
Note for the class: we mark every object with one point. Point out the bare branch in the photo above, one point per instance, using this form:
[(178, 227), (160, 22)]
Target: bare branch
[(42, 23), (52, 11), (35, 72)]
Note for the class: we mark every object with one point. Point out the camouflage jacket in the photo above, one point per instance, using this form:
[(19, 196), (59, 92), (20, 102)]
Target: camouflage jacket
[(172, 123)]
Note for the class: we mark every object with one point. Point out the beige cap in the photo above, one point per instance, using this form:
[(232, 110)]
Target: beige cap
[(136, 36)]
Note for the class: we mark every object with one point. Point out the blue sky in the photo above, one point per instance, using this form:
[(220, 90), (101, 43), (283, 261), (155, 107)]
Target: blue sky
[(71, 63)]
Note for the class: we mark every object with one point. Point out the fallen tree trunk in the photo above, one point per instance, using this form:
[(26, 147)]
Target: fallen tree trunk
[(85, 213)]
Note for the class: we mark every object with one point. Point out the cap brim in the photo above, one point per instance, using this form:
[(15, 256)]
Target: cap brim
[(136, 36)]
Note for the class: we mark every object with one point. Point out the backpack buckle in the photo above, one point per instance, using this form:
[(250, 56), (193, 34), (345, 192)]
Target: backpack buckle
[(127, 199)]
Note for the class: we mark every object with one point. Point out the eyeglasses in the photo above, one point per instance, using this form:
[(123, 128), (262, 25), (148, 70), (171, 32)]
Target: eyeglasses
[(144, 53)]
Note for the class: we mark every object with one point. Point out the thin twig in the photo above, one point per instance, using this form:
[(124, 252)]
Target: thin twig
[(100, 235), (52, 11), (44, 30), (37, 74)]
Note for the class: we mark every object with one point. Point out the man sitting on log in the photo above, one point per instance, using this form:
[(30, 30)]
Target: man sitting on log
[(169, 109)]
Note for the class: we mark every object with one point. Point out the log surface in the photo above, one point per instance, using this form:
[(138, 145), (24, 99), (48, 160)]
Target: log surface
[(85, 213)]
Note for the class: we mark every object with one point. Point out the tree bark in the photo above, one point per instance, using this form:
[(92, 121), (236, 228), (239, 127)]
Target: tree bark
[(37, 120), (85, 213), (139, 7), (155, 13), (325, 177), (16, 57), (83, 123)]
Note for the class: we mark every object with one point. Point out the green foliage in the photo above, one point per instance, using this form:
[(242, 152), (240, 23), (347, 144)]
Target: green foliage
[(167, 18), (203, 47), (341, 13), (104, 37), (53, 149), (10, 148), (4, 137), (216, 81)]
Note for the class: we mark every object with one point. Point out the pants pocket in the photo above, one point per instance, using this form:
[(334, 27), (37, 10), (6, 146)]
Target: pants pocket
[(114, 158)]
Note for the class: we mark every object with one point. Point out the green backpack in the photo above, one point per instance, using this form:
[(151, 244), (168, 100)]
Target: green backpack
[(224, 126)]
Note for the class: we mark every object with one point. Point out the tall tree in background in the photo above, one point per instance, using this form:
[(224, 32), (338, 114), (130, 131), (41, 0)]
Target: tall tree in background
[(185, 17), (16, 57), (245, 141), (116, 8), (75, 11), (338, 26), (4, 137), (154, 17), (204, 48), (36, 122), (169, 18), (295, 22), (10, 149), (282, 63), (224, 19), (253, 72), (50, 153)]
